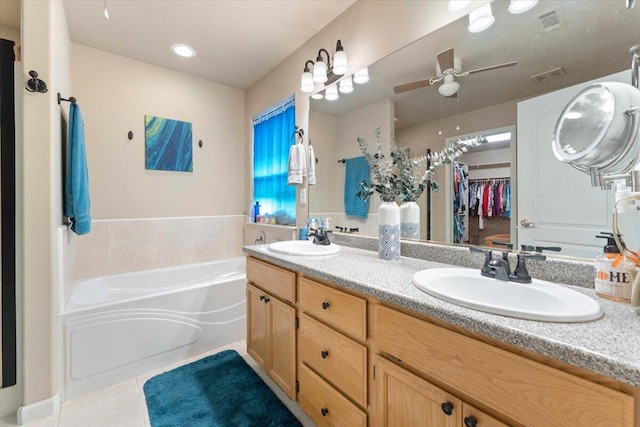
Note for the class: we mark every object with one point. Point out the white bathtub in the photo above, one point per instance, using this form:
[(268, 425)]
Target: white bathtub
[(117, 327)]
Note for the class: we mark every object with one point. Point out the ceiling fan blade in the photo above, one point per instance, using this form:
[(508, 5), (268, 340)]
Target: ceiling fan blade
[(445, 60), (492, 67), (413, 85)]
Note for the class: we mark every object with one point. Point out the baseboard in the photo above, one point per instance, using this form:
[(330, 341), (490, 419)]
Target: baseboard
[(39, 410)]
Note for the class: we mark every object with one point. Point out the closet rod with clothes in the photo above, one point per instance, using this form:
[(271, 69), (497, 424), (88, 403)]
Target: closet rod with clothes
[(490, 197)]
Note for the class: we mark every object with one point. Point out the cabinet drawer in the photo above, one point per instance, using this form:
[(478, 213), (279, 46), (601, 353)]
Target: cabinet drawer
[(475, 417), (340, 360), (526, 391), (339, 309), (325, 405), (275, 280)]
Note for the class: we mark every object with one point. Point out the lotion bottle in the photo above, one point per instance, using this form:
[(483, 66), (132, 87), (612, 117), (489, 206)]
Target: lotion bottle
[(612, 279)]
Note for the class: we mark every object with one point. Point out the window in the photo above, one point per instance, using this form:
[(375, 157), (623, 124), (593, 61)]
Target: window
[(272, 132)]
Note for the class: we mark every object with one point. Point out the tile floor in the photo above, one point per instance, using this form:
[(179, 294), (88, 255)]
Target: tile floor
[(124, 405)]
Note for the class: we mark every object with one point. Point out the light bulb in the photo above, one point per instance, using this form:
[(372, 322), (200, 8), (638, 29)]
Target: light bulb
[(346, 85), (319, 72), (306, 82), (521, 6), (183, 50), (481, 19), (331, 93), (361, 76)]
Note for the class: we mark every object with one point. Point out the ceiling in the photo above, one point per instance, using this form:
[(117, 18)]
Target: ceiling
[(237, 42), (592, 40)]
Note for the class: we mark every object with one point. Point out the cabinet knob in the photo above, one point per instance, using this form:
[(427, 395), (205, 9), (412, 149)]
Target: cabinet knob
[(266, 300), (324, 354), (324, 411), (447, 408), (261, 297), (325, 305), (470, 421)]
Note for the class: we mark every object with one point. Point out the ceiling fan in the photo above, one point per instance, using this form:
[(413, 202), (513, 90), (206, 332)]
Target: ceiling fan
[(448, 67)]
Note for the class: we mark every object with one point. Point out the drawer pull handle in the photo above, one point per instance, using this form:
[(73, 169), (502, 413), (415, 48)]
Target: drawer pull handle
[(470, 421), (447, 408), (266, 300), (324, 354), (325, 305), (324, 412)]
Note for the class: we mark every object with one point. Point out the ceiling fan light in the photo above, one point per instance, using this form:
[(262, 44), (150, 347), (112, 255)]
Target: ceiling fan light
[(331, 94), (481, 19), (361, 76), (306, 82), (448, 88), (521, 6), (458, 5), (346, 85), (319, 72)]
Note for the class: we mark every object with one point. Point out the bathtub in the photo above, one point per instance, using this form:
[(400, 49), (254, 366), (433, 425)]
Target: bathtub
[(114, 328)]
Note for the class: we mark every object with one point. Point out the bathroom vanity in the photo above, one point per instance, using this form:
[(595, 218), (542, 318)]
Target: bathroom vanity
[(355, 343)]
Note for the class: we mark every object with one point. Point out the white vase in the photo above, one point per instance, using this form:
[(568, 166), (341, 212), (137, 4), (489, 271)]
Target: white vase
[(389, 231), (410, 220)]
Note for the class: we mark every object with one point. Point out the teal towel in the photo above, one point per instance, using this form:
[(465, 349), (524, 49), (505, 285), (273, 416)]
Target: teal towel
[(357, 170), (76, 187)]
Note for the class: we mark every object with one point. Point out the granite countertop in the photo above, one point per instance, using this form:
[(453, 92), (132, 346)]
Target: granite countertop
[(609, 346)]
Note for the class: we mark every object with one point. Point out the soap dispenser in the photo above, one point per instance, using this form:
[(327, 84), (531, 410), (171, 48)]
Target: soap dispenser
[(612, 279)]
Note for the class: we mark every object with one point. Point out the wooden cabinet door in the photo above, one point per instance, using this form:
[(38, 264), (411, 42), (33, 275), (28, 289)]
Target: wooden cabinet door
[(404, 399), (257, 326), (282, 331)]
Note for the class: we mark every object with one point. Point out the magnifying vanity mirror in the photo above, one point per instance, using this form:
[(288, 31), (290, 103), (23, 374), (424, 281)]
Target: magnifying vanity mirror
[(559, 47)]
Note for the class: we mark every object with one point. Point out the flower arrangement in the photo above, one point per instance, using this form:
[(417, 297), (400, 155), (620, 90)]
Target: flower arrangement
[(403, 178)]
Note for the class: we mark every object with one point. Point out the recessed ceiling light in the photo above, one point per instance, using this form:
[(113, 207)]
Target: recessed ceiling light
[(183, 50)]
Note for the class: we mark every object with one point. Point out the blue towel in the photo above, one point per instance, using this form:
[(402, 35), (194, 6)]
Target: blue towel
[(76, 188), (357, 170)]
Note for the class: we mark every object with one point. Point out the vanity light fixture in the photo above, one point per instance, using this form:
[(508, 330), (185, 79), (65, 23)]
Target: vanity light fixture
[(323, 70), (331, 94), (183, 50), (361, 76), (317, 95), (521, 6), (458, 5), (481, 19), (346, 85)]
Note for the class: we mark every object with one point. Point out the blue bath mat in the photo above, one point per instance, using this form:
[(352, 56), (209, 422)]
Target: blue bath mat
[(217, 391)]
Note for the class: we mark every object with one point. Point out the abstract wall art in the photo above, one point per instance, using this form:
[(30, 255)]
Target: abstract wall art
[(168, 144)]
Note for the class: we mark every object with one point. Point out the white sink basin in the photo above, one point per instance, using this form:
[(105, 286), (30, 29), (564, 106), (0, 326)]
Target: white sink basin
[(303, 247), (538, 300)]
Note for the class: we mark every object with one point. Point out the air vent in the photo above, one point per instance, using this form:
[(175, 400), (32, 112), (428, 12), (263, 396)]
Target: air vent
[(549, 75), (550, 20)]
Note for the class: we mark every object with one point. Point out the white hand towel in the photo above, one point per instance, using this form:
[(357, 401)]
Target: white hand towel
[(312, 166), (296, 170)]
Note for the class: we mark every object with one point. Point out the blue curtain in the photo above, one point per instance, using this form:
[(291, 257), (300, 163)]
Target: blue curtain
[(272, 133)]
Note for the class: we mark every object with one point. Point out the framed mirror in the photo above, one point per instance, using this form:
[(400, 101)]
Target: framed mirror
[(557, 46)]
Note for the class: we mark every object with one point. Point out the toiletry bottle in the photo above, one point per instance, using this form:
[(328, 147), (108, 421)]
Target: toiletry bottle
[(250, 214), (612, 279), (256, 211)]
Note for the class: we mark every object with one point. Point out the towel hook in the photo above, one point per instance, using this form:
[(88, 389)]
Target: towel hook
[(298, 135), (34, 84)]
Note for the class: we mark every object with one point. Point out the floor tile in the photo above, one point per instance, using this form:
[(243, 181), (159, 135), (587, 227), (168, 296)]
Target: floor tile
[(11, 421), (123, 411), (98, 397)]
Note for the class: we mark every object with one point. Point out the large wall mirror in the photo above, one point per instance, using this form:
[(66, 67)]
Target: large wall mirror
[(558, 46)]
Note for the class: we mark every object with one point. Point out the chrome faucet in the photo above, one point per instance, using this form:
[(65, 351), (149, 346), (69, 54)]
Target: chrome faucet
[(261, 239), (500, 269)]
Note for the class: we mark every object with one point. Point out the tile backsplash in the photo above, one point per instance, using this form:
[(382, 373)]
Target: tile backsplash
[(121, 246)]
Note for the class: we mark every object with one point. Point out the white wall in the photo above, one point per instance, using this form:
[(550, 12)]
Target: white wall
[(10, 33), (324, 197), (114, 94), (45, 48)]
